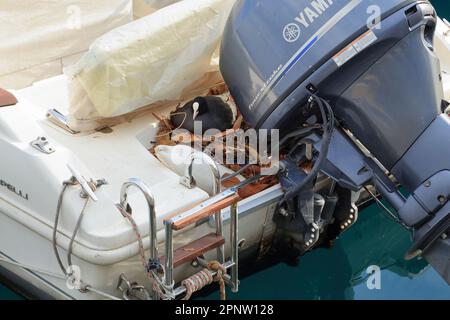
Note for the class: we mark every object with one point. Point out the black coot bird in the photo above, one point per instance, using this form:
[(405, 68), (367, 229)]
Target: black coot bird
[(211, 111)]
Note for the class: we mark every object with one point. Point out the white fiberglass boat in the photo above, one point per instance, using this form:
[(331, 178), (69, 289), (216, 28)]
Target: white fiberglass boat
[(88, 212)]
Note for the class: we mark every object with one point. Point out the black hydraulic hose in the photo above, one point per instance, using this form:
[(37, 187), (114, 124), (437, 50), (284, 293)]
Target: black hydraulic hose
[(297, 133), (328, 126), (235, 174)]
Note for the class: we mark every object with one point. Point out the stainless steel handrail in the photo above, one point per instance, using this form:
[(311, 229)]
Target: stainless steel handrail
[(234, 229), (188, 179), (169, 227), (133, 182)]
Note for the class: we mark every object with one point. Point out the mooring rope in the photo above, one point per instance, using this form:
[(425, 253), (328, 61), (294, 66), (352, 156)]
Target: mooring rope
[(66, 184), (34, 269), (197, 282), (57, 276), (85, 287), (220, 273), (204, 278), (75, 232), (158, 286)]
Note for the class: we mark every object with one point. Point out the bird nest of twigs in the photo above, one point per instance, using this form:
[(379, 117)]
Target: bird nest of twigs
[(218, 146)]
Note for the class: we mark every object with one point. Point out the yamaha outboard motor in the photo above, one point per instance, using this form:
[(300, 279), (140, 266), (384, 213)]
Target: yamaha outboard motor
[(355, 89)]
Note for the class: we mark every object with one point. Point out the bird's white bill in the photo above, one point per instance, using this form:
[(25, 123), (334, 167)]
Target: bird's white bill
[(196, 107)]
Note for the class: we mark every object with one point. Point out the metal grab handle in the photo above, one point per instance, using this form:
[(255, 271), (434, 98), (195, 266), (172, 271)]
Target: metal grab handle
[(188, 181), (151, 211)]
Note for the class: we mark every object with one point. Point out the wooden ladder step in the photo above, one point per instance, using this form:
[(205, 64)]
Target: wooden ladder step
[(195, 249), (204, 212)]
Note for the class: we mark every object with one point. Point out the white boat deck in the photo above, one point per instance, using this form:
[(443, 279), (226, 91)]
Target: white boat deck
[(115, 156)]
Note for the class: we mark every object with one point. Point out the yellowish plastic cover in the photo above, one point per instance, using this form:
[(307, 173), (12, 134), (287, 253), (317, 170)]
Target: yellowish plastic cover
[(153, 59)]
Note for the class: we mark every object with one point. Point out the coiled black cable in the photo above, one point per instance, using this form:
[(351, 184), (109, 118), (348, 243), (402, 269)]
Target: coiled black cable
[(328, 127)]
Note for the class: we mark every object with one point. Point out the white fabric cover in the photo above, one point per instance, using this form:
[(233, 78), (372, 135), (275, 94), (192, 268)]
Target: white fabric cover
[(142, 8), (37, 38), (156, 58)]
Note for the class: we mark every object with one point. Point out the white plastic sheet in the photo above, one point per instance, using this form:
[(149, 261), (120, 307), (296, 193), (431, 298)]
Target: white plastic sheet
[(153, 59), (142, 8), (37, 36)]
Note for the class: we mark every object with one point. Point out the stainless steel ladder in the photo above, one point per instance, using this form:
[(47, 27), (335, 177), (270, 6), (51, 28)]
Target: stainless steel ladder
[(197, 248), (212, 206)]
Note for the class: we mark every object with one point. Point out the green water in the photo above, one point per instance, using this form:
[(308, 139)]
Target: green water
[(341, 273), (6, 294), (443, 7)]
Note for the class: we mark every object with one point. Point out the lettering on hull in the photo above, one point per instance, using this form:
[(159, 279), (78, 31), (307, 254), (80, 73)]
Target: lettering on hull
[(13, 189)]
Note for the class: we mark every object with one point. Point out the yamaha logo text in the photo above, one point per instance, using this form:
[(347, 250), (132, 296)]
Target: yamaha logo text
[(293, 31)]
